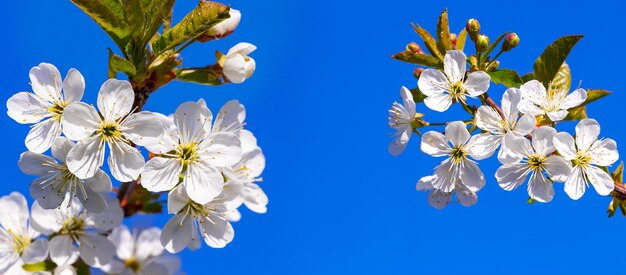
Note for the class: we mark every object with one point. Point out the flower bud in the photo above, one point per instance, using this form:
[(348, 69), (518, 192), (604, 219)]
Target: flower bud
[(237, 65), (482, 42), (223, 28), (472, 27), (453, 39), (510, 42), (414, 48), (417, 72)]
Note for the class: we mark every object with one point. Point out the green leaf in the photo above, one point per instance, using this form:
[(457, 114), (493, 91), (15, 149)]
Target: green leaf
[(460, 40), (443, 32), (562, 79), (208, 76), (580, 112), (156, 13), (531, 201), (418, 96), (429, 41), (135, 18), (528, 77), (119, 64), (507, 77), (550, 61), (612, 205), (493, 46), (109, 15), (618, 174), (195, 23), (40, 266), (419, 59)]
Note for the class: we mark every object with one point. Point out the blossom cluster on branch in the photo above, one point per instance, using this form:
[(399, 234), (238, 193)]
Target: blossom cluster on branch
[(208, 165), (521, 131)]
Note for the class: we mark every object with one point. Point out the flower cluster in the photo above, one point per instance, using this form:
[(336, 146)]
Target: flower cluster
[(208, 165), (522, 131)]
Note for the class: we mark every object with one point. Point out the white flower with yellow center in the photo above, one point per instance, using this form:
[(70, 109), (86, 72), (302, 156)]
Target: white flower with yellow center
[(533, 161), (70, 224), (488, 119), (587, 152), (18, 243), (57, 184), (439, 199), (238, 66), (457, 169), (401, 117), (442, 90), (554, 102), (139, 253), (45, 106), (190, 148), (182, 230), (114, 125)]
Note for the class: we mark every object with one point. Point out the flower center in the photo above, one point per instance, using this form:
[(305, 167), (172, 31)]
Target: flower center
[(73, 226), (535, 162), (188, 153), (133, 264), (458, 91), (57, 109), (20, 242), (109, 129), (458, 154), (582, 159)]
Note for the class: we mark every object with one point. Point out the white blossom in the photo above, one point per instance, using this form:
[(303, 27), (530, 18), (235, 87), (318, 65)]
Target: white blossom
[(401, 117), (190, 217), (457, 169), (227, 26), (140, 253), (587, 152), (442, 90), (554, 102), (116, 126), (45, 106), (56, 184), (18, 240), (534, 161), (488, 119), (192, 149), (238, 66), (439, 199), (71, 224)]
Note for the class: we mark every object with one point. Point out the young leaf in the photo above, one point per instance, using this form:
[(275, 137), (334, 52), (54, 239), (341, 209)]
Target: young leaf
[(429, 41), (528, 77), (550, 61), (119, 64), (507, 77), (460, 40), (418, 96), (580, 112), (156, 12), (195, 23), (40, 266), (443, 32), (563, 78), (207, 76), (135, 18), (419, 59), (109, 15)]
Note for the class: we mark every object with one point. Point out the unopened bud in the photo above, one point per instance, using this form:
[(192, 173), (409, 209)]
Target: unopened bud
[(473, 28), (453, 39), (223, 28), (510, 42), (414, 48), (482, 42), (417, 72)]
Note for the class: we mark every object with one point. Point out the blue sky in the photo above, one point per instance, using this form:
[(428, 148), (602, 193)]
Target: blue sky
[(339, 203)]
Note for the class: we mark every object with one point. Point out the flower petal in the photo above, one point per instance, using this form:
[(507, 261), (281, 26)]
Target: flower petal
[(457, 133), (587, 132), (254, 198), (540, 188), (230, 118), (477, 83), (483, 145), (221, 149), (45, 191), (177, 200), (143, 128), (36, 252), (193, 122), (488, 119), (203, 182), (510, 99), (454, 65), (95, 250), (525, 125), (438, 199), (557, 115), (46, 82), (438, 102), (216, 231), (407, 100), (601, 180), (80, 121), (125, 242), (108, 219), (73, 86), (44, 221), (528, 108), (565, 145), (512, 175), (518, 146), (115, 99), (575, 184), (397, 146), (41, 137), (149, 243), (542, 140), (435, 144), (25, 108), (446, 176), (61, 148), (604, 152), (100, 182), (574, 99), (161, 174), (86, 157), (534, 92), (36, 164), (466, 196), (433, 82), (472, 177), (62, 250), (126, 162), (558, 168), (14, 212), (177, 233)]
